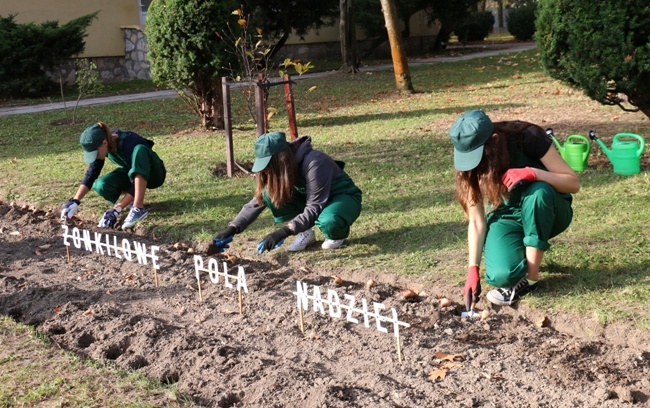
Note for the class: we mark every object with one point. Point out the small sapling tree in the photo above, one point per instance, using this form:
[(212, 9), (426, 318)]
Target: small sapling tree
[(87, 78)]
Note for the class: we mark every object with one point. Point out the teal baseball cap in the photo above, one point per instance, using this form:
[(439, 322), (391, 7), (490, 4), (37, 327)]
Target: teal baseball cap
[(90, 140), (266, 146), (469, 134)]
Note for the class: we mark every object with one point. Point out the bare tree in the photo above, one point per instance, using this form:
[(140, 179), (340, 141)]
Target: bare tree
[(400, 63)]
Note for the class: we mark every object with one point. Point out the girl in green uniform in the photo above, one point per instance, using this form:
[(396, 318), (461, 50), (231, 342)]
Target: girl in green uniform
[(302, 187), (514, 168), (139, 168)]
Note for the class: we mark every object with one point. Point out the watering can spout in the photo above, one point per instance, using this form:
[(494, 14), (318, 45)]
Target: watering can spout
[(603, 146), (549, 132)]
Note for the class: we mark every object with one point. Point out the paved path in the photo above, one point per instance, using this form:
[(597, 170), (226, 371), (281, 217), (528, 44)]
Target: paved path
[(490, 51)]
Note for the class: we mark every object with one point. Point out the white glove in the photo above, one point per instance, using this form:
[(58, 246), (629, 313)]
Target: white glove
[(69, 209)]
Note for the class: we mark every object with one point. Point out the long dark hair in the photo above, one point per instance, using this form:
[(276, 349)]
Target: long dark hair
[(112, 142), (278, 178), (483, 182)]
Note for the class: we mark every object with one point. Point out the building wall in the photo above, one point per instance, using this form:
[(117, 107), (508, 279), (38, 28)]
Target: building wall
[(105, 36)]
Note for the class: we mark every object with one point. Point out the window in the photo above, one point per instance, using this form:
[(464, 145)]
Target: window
[(143, 6)]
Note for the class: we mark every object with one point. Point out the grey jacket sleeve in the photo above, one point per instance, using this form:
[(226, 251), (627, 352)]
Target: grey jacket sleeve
[(319, 170), (249, 213)]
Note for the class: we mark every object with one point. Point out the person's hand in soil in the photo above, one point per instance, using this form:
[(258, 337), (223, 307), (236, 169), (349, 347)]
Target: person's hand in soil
[(472, 289), (109, 219), (273, 240), (69, 208), (221, 240)]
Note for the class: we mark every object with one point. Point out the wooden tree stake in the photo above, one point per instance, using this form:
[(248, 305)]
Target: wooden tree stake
[(67, 250), (155, 276), (240, 302)]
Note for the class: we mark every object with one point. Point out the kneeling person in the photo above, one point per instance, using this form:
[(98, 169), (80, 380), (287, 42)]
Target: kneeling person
[(302, 187)]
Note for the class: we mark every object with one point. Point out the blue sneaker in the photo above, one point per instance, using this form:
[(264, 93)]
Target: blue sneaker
[(135, 215)]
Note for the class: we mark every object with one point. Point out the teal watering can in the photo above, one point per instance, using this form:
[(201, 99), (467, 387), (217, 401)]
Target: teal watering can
[(575, 150), (625, 155)]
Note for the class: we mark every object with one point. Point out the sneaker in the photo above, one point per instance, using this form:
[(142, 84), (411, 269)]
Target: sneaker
[(508, 296), (304, 239), (135, 215), (332, 243)]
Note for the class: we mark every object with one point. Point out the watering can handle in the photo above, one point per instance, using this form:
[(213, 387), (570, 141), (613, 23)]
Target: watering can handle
[(633, 136), (592, 135), (582, 138)]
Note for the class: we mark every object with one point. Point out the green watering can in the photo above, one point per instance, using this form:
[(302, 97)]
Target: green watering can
[(625, 155), (575, 150)]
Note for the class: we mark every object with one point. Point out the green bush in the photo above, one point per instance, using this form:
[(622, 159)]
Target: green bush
[(187, 54), (476, 27), (521, 22), (29, 50), (603, 50)]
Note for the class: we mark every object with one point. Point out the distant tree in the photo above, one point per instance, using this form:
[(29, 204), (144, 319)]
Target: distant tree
[(603, 50), (450, 14), (400, 63), (186, 54), (348, 36), (521, 21), (30, 50), (281, 18)]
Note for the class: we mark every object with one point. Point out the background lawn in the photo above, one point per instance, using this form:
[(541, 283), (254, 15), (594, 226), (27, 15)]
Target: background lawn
[(397, 150)]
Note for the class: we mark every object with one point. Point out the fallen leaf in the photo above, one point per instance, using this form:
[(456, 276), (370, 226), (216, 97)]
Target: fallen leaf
[(37, 252), (232, 258), (493, 377), (46, 246), (542, 321), (108, 292), (449, 357), (312, 88), (337, 280), (57, 309), (14, 160), (450, 364), (437, 374), (88, 312), (129, 277), (371, 283)]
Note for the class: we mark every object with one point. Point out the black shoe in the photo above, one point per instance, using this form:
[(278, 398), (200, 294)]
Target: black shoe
[(508, 296)]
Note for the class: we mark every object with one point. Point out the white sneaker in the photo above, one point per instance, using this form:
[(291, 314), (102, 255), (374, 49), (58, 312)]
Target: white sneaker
[(304, 239), (332, 243)]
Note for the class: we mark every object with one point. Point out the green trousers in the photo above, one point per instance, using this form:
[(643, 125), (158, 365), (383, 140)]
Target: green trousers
[(539, 215), (145, 162), (335, 219)]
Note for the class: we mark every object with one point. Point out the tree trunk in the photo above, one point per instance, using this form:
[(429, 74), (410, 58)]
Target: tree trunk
[(400, 63), (348, 36), (500, 13), (210, 105)]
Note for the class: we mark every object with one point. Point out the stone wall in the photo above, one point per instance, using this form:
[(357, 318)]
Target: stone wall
[(133, 65)]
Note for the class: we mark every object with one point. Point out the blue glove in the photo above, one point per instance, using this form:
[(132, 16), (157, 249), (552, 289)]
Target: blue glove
[(221, 244), (110, 218), (221, 241), (69, 209), (273, 240)]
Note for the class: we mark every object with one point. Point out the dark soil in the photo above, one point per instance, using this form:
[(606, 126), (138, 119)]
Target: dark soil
[(109, 309)]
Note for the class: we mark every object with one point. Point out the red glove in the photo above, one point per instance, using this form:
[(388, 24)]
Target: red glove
[(472, 288), (514, 178)]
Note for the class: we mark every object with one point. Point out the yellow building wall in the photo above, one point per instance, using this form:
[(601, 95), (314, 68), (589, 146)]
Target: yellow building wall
[(104, 34)]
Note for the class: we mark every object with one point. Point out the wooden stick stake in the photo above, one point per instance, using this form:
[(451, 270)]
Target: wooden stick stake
[(240, 302), (67, 250), (155, 276), (198, 282), (399, 350), (302, 320)]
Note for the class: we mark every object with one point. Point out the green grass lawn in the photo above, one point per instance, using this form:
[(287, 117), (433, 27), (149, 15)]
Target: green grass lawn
[(397, 150)]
